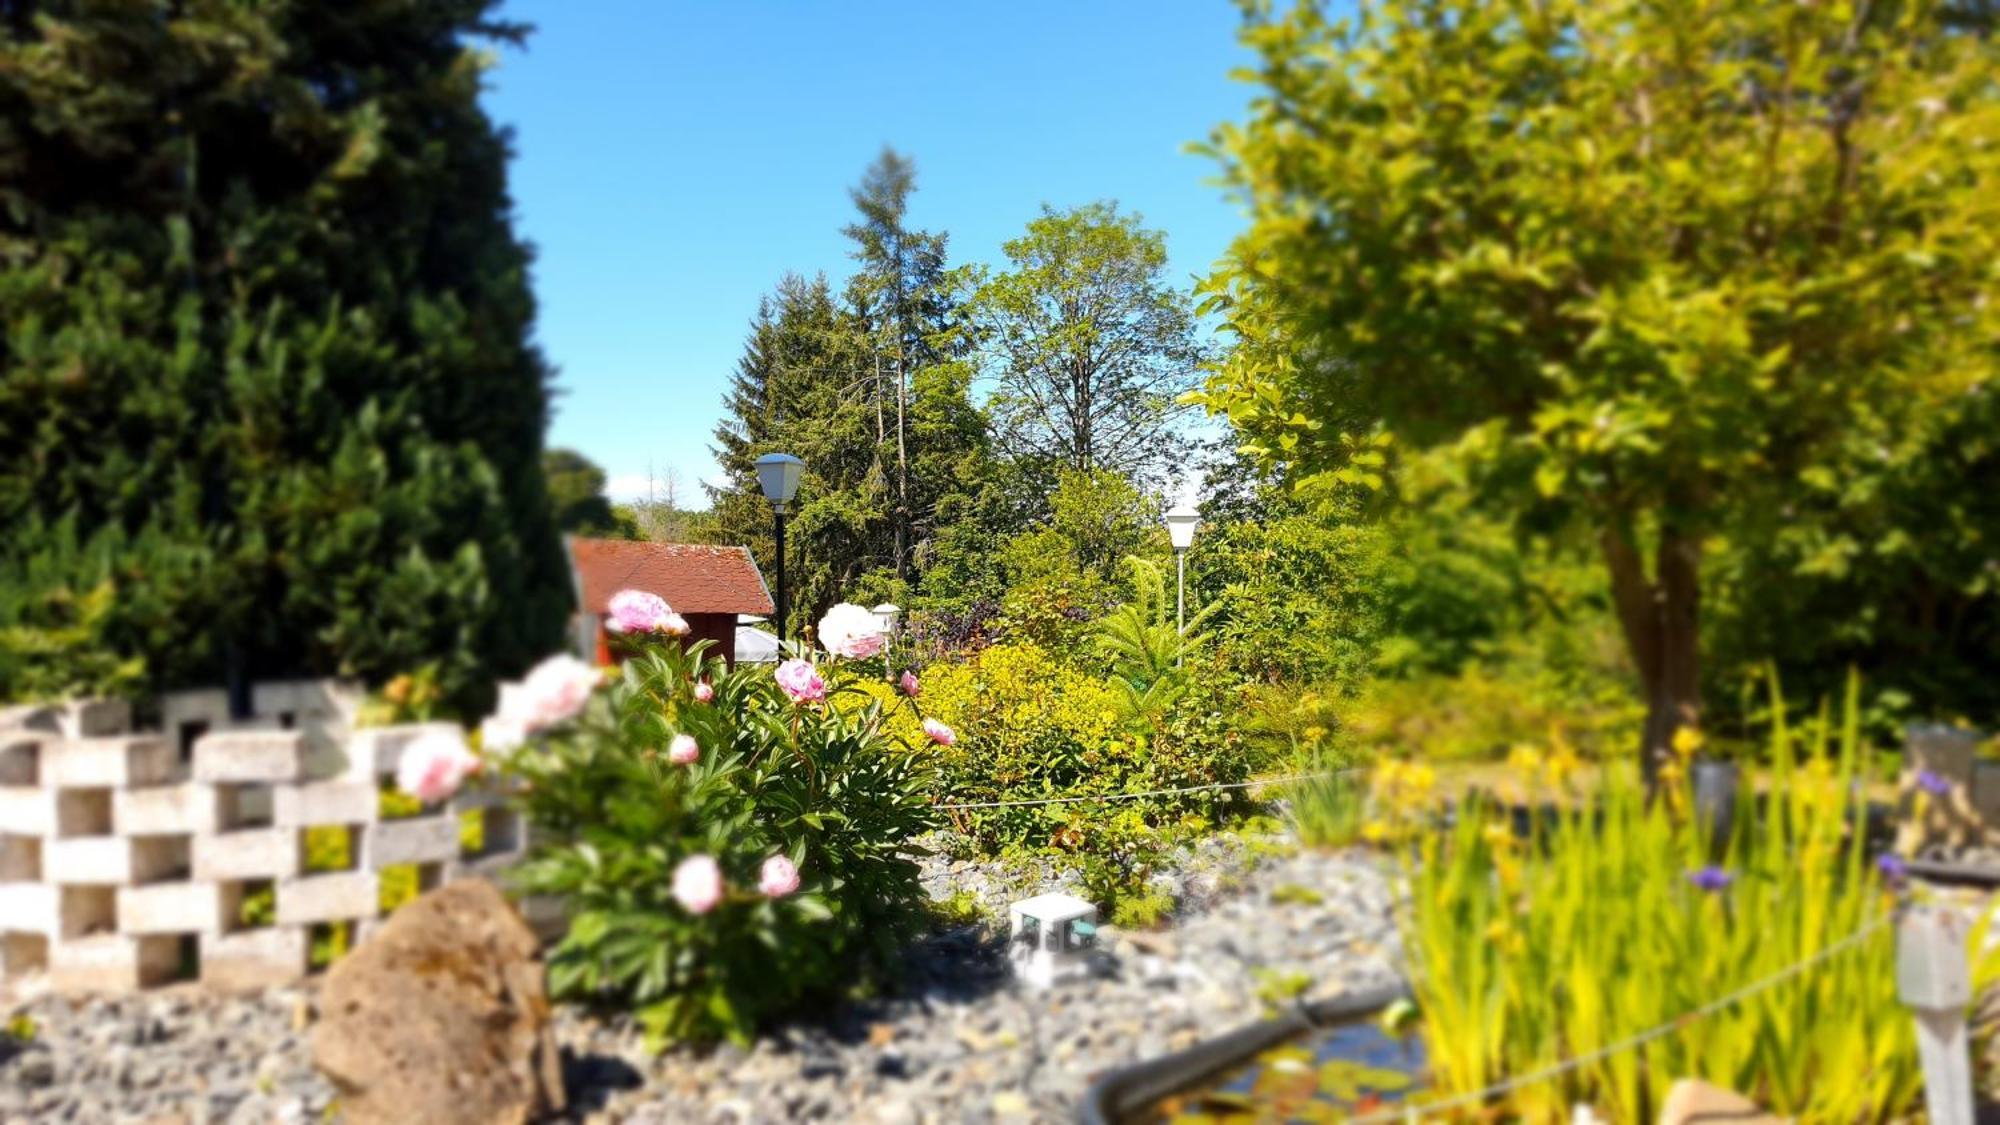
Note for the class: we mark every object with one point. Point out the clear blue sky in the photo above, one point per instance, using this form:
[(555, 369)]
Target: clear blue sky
[(675, 159)]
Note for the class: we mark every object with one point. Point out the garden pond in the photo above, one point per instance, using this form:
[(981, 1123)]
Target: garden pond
[(1342, 1072)]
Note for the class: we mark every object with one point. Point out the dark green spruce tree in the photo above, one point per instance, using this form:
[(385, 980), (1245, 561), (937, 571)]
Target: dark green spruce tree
[(266, 368)]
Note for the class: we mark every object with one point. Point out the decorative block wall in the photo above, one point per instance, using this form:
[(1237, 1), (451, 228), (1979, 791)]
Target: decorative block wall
[(126, 856)]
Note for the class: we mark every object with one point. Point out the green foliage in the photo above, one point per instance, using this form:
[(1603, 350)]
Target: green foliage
[(265, 362), (1087, 344), (1518, 937), (1684, 277), (1144, 648), (60, 650), (1327, 809), (824, 786), (576, 495), (869, 388)]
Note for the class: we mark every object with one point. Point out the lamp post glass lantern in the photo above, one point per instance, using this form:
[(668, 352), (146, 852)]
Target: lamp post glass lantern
[(778, 476), (885, 615), (1181, 521)]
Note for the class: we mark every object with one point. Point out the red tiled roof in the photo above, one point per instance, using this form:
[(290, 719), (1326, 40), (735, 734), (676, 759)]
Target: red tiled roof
[(693, 577)]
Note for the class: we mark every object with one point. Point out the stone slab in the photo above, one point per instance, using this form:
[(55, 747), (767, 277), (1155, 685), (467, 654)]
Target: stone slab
[(28, 810), (189, 807), (80, 763), (250, 756), (88, 860), (417, 839), (111, 963), (31, 908), (247, 853), (325, 802), (252, 959), (333, 897), (170, 908)]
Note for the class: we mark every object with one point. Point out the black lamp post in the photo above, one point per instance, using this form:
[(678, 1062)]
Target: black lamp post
[(778, 475)]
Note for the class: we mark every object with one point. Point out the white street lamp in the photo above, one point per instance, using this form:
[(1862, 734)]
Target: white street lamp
[(1181, 521), (886, 614), (778, 475)]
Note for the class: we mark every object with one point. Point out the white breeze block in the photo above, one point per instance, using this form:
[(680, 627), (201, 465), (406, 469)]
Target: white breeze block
[(207, 706), (20, 758), (417, 839), (189, 808), (27, 811), (88, 860), (94, 718), (334, 897), (247, 853), (31, 908), (253, 959), (247, 756), (335, 700), (374, 753), (325, 802), (110, 963), (80, 763), (170, 908)]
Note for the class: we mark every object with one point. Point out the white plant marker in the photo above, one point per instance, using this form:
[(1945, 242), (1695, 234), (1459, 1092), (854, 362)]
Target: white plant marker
[(1933, 979)]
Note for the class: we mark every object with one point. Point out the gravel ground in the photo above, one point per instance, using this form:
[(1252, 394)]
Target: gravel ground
[(958, 1042)]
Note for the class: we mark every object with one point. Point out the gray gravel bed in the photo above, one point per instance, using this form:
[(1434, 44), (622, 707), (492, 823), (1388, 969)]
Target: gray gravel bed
[(958, 1041)]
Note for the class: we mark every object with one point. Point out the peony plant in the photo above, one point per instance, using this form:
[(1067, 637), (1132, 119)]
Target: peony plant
[(729, 844)]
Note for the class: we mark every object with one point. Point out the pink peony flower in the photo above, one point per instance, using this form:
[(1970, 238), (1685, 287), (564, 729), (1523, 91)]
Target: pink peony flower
[(674, 625), (940, 734), (851, 631), (909, 684), (698, 884), (683, 750), (801, 681), (555, 691), (636, 611), (779, 877), (704, 693), (500, 734), (434, 766)]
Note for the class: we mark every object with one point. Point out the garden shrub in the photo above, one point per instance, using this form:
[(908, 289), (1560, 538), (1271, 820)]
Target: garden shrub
[(1031, 728), (712, 894)]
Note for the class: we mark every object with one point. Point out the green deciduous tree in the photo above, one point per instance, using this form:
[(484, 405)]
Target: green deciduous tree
[(1652, 268), (1087, 344), (265, 315)]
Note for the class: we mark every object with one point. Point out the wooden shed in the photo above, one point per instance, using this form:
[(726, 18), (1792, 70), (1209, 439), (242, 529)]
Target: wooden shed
[(709, 586)]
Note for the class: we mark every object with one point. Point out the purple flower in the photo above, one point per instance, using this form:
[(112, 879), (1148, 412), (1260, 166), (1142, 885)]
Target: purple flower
[(1892, 867), (1933, 783), (1711, 879)]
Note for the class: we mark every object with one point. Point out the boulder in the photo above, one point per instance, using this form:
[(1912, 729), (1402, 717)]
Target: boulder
[(1691, 1101), (442, 1017)]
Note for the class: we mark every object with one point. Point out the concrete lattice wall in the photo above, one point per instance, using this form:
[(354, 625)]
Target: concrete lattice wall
[(125, 856)]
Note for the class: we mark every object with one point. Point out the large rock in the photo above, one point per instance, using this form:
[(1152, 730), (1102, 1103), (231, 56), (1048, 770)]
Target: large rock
[(441, 1017)]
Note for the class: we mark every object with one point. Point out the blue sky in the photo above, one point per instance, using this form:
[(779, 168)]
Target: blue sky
[(675, 159)]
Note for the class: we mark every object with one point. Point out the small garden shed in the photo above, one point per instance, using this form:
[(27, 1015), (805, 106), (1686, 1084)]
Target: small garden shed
[(710, 586)]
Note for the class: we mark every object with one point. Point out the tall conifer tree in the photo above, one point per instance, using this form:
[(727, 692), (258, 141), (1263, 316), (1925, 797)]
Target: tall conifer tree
[(266, 364)]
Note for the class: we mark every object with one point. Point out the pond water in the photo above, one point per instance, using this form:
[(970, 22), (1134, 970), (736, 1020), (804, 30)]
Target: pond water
[(1333, 1076)]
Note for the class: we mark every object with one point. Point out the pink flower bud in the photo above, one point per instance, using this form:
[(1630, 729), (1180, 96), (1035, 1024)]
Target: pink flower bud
[(940, 734), (704, 693), (779, 877), (683, 750), (909, 685), (698, 884)]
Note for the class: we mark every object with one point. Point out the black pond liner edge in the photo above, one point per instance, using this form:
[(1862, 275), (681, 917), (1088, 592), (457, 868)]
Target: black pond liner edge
[(1123, 1094)]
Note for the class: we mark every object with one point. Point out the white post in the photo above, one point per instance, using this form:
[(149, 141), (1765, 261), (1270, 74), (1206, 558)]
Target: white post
[(1933, 979), (1180, 591)]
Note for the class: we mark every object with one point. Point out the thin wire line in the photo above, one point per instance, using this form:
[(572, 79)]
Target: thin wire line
[(1414, 1111), (1147, 793)]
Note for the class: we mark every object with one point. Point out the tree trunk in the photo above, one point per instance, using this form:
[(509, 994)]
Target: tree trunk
[(902, 476), (1660, 616)]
